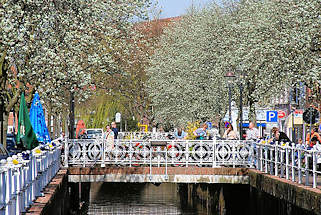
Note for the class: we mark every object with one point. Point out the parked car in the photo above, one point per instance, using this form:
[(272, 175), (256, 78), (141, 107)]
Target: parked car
[(12, 147), (93, 133), (11, 141)]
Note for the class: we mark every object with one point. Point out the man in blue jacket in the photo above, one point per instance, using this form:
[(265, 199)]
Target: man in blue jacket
[(114, 129)]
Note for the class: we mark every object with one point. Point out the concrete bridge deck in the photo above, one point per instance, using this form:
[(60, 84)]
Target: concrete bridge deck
[(174, 174)]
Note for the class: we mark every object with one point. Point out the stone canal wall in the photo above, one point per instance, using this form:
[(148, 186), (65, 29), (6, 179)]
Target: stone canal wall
[(220, 199), (250, 192), (56, 197), (289, 193)]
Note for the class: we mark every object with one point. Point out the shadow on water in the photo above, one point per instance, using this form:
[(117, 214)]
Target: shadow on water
[(169, 198)]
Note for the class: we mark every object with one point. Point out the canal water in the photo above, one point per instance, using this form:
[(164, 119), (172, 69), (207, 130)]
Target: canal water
[(171, 198), (129, 198)]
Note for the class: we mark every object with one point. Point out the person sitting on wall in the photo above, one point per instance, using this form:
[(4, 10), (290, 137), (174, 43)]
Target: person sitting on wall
[(279, 135)]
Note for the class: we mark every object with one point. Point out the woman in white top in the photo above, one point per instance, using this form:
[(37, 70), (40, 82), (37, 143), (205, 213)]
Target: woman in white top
[(229, 133), (109, 137)]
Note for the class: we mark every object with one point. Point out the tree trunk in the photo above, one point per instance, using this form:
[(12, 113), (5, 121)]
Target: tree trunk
[(49, 124), (5, 128), (66, 125), (252, 114), (55, 127)]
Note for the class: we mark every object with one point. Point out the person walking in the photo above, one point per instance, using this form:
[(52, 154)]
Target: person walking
[(229, 133), (252, 134), (114, 129), (109, 136)]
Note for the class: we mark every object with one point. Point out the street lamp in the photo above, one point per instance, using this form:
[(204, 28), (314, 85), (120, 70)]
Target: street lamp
[(240, 82), (293, 105), (72, 116), (229, 76)]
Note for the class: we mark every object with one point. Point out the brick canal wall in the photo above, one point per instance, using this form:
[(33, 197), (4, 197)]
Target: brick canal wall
[(56, 197)]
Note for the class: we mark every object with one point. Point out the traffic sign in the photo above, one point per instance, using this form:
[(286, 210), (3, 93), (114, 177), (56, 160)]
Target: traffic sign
[(281, 114), (271, 116)]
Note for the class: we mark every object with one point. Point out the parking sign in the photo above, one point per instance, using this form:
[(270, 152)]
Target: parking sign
[(271, 116)]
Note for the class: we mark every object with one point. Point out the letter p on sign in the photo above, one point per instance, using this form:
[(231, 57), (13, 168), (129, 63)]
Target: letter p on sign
[(271, 116)]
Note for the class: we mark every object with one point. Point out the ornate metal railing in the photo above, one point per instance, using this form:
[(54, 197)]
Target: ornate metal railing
[(157, 152), (297, 163), (144, 135), (24, 176)]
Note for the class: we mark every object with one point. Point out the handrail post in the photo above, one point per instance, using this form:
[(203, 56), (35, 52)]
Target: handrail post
[(266, 159), (66, 153), (314, 169), (166, 155), (260, 157), (150, 161), (306, 171), (233, 153), (130, 152), (271, 161), (186, 152), (213, 153), (287, 163), (276, 159), (103, 152), (4, 191), (293, 163), (299, 167), (281, 161)]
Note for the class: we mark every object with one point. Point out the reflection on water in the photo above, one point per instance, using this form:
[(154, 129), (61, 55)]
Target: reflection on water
[(168, 198), (130, 198)]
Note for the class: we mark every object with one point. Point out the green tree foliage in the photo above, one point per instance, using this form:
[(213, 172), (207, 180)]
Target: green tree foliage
[(55, 46), (270, 42)]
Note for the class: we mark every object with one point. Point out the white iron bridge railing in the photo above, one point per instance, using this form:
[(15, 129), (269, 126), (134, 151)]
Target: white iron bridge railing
[(24, 176), (158, 153), (297, 163), (292, 162)]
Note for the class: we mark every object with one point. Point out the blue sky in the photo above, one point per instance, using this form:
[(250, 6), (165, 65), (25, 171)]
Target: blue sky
[(172, 8)]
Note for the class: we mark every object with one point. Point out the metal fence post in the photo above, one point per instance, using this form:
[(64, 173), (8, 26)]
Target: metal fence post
[(276, 173), (314, 168), (66, 152), (260, 157), (306, 171), (186, 153), (213, 153), (299, 167), (287, 163), (3, 190), (103, 153), (266, 159), (293, 163)]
